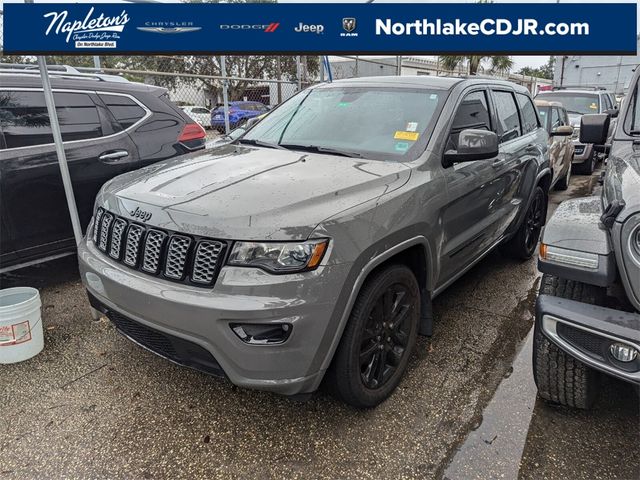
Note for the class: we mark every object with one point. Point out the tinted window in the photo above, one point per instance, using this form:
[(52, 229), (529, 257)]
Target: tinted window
[(125, 110), (472, 113), (199, 110), (528, 113), (607, 102), (25, 121), (507, 115)]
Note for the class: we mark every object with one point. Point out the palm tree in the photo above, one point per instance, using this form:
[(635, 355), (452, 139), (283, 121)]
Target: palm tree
[(497, 63)]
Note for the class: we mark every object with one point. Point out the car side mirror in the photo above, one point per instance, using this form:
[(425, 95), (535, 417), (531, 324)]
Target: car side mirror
[(594, 128), (473, 145), (612, 112), (562, 131)]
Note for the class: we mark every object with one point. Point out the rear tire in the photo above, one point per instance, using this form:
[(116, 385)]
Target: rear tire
[(378, 340), (523, 244), (564, 182), (560, 378)]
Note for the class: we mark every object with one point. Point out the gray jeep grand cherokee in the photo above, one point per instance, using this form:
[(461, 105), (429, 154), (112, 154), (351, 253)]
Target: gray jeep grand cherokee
[(588, 311), (312, 246)]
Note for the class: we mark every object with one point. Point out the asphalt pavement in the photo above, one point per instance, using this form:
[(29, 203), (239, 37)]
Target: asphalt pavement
[(94, 405)]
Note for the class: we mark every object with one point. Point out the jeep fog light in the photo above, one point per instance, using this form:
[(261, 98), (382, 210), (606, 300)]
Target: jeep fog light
[(623, 352), (565, 256)]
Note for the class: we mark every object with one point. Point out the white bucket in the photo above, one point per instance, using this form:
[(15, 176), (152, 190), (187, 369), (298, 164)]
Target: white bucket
[(21, 334)]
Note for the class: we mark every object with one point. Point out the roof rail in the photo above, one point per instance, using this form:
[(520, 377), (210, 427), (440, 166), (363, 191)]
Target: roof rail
[(577, 87), (60, 71)]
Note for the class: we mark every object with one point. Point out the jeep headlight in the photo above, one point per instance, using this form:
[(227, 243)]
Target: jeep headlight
[(275, 257)]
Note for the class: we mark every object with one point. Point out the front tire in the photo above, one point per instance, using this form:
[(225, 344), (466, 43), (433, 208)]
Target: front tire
[(523, 244), (378, 340), (560, 378)]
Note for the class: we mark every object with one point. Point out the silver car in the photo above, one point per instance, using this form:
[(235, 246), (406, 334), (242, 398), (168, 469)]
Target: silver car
[(311, 248)]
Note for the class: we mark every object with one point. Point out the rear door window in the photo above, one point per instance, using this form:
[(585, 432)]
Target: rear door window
[(25, 120), (124, 109), (528, 113), (507, 111)]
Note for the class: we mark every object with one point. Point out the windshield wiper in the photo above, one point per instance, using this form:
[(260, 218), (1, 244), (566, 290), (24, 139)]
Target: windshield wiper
[(577, 113), (329, 150), (261, 143)]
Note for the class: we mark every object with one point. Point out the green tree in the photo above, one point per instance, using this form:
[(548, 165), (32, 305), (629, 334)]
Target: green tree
[(497, 63), (545, 71)]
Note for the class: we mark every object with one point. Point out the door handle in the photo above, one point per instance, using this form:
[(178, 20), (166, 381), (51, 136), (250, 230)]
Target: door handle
[(113, 156)]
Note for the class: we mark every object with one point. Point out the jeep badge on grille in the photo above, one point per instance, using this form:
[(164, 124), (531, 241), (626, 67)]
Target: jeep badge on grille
[(141, 214)]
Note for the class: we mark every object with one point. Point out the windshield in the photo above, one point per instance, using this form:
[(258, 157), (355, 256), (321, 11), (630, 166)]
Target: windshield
[(375, 123), (575, 103)]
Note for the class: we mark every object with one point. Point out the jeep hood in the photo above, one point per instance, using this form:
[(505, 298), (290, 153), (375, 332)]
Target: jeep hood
[(250, 193)]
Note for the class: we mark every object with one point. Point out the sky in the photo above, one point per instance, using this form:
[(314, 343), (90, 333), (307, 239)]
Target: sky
[(519, 60)]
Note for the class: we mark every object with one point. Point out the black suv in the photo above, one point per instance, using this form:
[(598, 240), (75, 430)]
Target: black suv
[(109, 126)]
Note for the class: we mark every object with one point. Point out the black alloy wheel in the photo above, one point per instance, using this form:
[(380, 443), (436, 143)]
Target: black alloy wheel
[(534, 220), (378, 339), (385, 336)]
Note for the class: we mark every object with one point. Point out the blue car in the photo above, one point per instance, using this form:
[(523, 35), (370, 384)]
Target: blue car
[(239, 112)]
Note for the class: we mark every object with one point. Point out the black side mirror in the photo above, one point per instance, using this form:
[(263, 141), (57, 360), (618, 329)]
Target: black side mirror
[(594, 128), (473, 145), (612, 112)]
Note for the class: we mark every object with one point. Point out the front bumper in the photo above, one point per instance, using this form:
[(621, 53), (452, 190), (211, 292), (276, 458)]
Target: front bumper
[(582, 152), (586, 331), (202, 317)]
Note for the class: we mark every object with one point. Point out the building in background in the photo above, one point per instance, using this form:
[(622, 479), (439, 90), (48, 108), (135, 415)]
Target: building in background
[(372, 66), (611, 72)]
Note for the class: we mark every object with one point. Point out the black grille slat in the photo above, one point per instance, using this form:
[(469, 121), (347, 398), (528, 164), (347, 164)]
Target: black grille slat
[(176, 257)]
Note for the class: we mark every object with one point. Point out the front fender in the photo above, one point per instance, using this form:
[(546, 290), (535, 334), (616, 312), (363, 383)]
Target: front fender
[(574, 233)]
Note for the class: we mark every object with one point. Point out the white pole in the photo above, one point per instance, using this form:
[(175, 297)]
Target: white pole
[(62, 159), (225, 93)]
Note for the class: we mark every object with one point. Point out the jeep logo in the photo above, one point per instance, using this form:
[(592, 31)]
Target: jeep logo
[(141, 214), (304, 28)]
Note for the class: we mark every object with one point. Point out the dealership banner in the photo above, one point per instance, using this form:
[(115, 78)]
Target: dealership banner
[(400, 28)]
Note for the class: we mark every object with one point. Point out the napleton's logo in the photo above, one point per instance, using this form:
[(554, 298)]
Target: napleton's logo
[(91, 28)]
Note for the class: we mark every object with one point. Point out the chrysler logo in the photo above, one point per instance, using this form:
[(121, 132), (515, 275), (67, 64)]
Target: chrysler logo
[(169, 29), (141, 214), (349, 24)]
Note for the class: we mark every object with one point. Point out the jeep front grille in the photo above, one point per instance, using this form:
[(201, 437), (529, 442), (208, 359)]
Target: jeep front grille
[(174, 256)]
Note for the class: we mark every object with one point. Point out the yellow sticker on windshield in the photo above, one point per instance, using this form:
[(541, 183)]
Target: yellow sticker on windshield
[(400, 135), (593, 106)]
